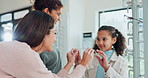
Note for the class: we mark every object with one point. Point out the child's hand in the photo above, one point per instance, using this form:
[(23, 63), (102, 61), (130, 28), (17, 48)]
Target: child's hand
[(103, 61)]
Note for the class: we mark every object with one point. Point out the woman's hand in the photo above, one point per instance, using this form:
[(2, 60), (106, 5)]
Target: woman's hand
[(71, 57), (77, 57), (87, 57), (103, 61)]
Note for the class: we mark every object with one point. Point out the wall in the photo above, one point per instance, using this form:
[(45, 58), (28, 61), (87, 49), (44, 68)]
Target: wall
[(10, 5), (76, 22)]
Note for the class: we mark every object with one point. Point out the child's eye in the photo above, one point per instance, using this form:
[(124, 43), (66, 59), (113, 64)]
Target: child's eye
[(104, 39), (98, 39)]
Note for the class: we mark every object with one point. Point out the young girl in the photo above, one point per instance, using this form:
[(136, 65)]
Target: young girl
[(109, 63)]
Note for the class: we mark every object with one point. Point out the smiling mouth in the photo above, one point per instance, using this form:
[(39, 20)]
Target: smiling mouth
[(101, 46)]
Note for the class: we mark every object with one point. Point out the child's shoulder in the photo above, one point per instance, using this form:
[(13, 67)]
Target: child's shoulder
[(122, 59)]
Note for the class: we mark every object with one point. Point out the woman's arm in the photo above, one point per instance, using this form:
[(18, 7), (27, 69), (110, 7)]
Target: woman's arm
[(80, 69)]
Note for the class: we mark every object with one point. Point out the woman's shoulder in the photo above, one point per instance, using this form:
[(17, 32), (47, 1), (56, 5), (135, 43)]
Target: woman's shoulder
[(13, 45)]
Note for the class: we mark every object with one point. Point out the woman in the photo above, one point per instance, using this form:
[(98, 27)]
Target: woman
[(54, 8), (34, 34)]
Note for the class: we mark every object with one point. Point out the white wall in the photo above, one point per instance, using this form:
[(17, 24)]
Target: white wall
[(76, 22), (10, 5)]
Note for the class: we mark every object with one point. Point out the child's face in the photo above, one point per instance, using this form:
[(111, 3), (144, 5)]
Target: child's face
[(104, 40)]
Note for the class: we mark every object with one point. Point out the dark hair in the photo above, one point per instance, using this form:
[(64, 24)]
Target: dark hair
[(50, 4), (33, 28), (119, 46)]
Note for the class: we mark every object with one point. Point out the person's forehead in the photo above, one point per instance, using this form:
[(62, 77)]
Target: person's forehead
[(56, 11)]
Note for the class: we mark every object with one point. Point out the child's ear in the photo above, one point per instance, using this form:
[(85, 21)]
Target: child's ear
[(114, 40)]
